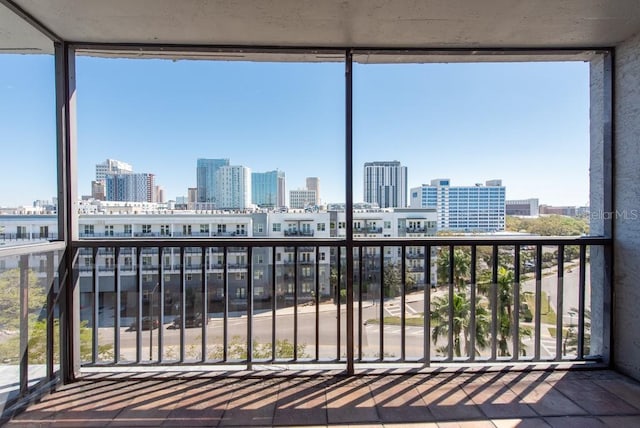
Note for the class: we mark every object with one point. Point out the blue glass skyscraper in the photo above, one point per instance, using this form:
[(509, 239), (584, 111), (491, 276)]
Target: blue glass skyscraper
[(206, 178)]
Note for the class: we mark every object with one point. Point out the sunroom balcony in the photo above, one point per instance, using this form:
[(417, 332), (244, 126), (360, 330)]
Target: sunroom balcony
[(318, 326), (223, 331)]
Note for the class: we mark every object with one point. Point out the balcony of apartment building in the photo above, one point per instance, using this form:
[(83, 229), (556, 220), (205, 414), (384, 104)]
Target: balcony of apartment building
[(128, 330)]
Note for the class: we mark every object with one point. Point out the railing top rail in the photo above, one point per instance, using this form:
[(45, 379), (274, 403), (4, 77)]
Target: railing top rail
[(360, 242), (484, 240), (24, 249)]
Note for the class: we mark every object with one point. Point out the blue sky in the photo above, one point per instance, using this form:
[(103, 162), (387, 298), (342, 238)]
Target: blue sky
[(526, 123)]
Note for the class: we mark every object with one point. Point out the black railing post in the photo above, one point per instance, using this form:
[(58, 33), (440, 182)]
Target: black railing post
[(249, 297), (494, 303), (349, 203), (473, 303), (24, 324), (561, 338), (451, 281), (426, 307), (515, 325), (581, 301), (67, 215)]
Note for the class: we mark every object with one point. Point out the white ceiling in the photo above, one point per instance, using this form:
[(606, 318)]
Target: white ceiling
[(328, 23)]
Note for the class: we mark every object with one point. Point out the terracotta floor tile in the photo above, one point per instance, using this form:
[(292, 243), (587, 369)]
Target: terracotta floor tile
[(398, 401), (545, 400), (466, 424), (623, 388), (350, 404), (253, 406), (410, 425), (193, 418), (497, 400), (520, 423), (452, 399), (593, 398), (574, 422), (203, 398), (621, 421), (449, 402), (299, 405)]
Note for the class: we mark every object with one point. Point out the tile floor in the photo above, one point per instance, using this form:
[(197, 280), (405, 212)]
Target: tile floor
[(555, 398)]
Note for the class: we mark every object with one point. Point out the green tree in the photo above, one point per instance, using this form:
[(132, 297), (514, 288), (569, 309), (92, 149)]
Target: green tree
[(37, 344), (461, 265), (461, 323), (391, 280), (10, 297), (551, 225), (571, 252), (504, 308)]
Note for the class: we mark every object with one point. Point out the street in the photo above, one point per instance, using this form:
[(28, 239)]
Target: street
[(328, 328)]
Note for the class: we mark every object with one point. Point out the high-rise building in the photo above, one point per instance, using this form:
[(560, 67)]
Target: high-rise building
[(463, 209), (522, 207), (267, 189), (192, 195), (97, 190), (313, 183), (108, 167), (111, 166), (385, 184), (130, 187), (302, 198), (159, 194), (206, 176), (233, 183)]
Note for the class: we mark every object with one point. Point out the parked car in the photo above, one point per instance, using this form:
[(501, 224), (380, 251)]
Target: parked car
[(191, 320), (147, 324)]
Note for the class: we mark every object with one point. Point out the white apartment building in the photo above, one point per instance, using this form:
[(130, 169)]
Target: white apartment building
[(302, 198), (475, 208), (233, 184), (385, 184), (299, 270), (112, 166)]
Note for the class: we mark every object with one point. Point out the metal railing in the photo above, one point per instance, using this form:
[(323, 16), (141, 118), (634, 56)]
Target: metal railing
[(31, 311), (367, 229), (29, 236), (303, 233), (464, 300)]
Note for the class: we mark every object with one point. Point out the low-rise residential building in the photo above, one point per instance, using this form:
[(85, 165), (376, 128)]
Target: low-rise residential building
[(301, 268)]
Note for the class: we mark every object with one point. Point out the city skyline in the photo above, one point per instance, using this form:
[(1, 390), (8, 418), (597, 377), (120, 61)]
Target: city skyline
[(526, 123)]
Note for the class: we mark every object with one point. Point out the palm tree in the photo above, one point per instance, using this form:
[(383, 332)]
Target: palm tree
[(392, 279), (504, 308), (461, 265), (461, 323)]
